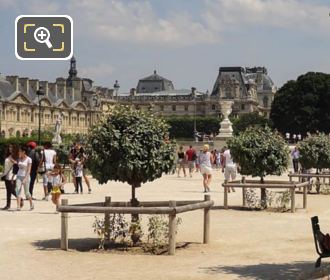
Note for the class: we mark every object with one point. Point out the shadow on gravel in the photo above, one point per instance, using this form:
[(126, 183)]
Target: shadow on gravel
[(265, 271), (79, 244), (92, 245)]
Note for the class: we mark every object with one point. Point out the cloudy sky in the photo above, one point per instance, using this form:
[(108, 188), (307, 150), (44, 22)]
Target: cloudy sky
[(185, 40)]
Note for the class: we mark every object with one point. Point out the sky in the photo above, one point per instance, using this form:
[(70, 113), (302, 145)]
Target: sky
[(186, 41)]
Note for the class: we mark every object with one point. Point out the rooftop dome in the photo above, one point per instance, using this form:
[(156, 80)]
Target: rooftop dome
[(154, 83), (265, 81)]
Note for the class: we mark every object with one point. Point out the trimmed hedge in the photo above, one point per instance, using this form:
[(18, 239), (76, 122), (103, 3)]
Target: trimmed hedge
[(183, 127)]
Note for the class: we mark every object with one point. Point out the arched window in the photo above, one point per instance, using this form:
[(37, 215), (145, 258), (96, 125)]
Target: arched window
[(18, 133), (213, 107), (265, 101)]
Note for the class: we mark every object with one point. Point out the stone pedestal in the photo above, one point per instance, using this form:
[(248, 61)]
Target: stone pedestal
[(226, 130), (57, 139)]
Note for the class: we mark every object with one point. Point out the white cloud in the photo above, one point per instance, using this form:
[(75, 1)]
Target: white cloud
[(99, 71), (293, 14), (137, 22)]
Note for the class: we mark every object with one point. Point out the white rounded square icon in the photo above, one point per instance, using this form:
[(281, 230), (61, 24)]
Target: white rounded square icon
[(43, 37)]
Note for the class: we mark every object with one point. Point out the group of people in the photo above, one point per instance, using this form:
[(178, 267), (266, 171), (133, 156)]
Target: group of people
[(204, 162), (23, 164), (294, 138)]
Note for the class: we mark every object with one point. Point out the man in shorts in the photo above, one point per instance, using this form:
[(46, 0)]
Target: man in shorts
[(228, 167)]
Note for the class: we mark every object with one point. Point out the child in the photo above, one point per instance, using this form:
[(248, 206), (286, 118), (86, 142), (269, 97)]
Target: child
[(78, 172), (57, 179)]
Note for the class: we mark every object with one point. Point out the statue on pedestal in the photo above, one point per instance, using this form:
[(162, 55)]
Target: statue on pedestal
[(226, 130), (58, 128)]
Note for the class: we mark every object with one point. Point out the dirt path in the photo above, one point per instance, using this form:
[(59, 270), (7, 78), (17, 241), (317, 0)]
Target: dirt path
[(245, 244)]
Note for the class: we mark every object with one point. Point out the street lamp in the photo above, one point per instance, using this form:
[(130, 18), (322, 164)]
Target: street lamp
[(116, 87), (193, 91), (39, 93)]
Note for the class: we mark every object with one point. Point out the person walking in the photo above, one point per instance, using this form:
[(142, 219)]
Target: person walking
[(191, 158), (78, 172), (8, 174), (75, 152), (48, 159), (295, 159), (58, 180), (205, 160), (181, 162), (23, 178), (228, 167), (217, 159), (34, 155)]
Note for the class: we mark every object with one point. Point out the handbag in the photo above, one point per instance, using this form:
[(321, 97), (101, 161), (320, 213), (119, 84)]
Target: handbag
[(42, 168), (3, 177)]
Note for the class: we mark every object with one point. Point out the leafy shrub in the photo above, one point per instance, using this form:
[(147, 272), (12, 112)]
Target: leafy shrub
[(183, 127), (315, 152), (158, 230), (117, 230), (127, 145), (259, 152), (249, 120)]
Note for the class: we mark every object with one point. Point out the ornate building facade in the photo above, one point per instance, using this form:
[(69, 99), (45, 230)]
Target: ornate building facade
[(80, 103), (76, 99)]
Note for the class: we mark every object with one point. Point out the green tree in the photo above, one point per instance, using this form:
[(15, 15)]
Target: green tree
[(302, 106), (247, 120), (128, 145), (259, 152), (315, 152), (183, 127)]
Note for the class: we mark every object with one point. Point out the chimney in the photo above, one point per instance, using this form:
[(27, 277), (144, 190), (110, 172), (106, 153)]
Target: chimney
[(71, 93), (133, 92), (61, 88), (34, 84), (14, 81), (24, 85), (193, 91), (53, 88), (44, 85)]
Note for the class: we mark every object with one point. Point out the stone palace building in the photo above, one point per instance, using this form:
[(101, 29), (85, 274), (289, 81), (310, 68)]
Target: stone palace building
[(80, 103)]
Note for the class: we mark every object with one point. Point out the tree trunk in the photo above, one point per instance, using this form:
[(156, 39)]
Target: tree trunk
[(263, 195), (135, 227), (134, 201)]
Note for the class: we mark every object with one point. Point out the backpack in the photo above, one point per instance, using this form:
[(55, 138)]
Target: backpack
[(15, 168)]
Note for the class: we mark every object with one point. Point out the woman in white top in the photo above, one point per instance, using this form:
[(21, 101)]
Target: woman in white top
[(9, 176), (23, 177), (47, 162), (205, 159)]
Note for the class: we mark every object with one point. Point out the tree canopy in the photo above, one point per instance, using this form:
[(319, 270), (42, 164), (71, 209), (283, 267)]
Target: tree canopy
[(259, 152), (247, 120), (303, 105), (129, 145), (315, 152)]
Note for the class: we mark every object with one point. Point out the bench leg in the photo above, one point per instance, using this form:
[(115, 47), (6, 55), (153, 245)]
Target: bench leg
[(244, 199), (305, 198), (225, 198), (293, 200), (318, 262)]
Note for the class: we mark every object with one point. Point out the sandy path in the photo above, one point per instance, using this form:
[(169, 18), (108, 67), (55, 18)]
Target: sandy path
[(245, 244)]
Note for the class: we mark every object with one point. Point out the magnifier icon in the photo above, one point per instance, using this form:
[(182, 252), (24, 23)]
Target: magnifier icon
[(41, 35)]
